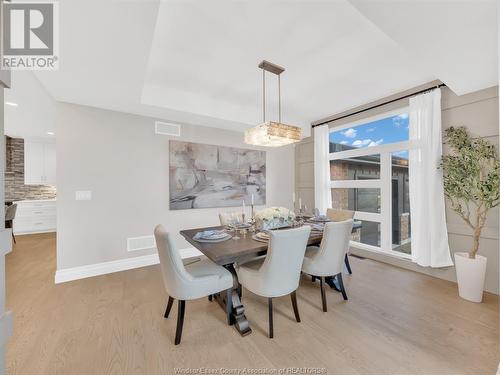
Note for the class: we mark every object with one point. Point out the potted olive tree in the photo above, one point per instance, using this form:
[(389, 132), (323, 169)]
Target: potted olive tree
[(471, 176)]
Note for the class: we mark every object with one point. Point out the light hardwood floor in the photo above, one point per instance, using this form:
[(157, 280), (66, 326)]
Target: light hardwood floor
[(395, 322)]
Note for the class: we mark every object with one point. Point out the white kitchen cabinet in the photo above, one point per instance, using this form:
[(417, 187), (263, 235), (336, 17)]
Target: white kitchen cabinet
[(39, 163), (35, 216)]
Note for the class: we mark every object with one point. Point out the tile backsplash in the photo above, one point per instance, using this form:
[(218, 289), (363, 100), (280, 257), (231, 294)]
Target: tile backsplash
[(15, 189)]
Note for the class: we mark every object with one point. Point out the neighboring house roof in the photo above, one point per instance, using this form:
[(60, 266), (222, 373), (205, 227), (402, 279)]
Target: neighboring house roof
[(369, 159)]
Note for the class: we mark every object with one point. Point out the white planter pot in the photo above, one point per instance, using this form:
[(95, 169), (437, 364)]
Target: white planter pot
[(470, 276)]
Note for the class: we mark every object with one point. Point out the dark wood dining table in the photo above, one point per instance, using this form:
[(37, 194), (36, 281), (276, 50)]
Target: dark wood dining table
[(229, 252)]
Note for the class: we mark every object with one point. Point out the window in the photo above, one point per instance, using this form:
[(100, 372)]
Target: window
[(369, 175), (384, 131)]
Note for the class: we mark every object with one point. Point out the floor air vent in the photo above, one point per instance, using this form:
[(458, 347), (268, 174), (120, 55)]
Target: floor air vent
[(141, 243), (166, 128)]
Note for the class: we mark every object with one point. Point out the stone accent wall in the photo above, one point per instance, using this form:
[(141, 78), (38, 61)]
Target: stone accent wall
[(404, 226), (340, 197), (15, 189), (356, 235)]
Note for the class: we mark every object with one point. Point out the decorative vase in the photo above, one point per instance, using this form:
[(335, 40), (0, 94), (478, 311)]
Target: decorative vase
[(470, 276)]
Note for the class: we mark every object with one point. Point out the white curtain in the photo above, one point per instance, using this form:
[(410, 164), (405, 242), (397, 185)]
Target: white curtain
[(429, 235), (322, 194)]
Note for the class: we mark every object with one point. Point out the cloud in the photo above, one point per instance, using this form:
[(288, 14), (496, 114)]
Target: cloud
[(371, 130), (375, 143), (350, 133), (400, 120), (367, 142), (361, 143), (343, 142)]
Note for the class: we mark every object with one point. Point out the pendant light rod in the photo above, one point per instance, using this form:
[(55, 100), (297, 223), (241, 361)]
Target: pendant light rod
[(267, 66), (279, 99), (264, 94)]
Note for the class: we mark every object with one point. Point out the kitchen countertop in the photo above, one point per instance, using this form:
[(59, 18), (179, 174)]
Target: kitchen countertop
[(33, 200)]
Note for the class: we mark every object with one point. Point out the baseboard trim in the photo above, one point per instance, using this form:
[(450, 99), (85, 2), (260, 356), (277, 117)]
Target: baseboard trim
[(97, 269), (26, 233)]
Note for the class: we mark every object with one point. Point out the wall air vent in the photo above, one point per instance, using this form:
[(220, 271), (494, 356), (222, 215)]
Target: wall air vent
[(166, 128), (141, 243)]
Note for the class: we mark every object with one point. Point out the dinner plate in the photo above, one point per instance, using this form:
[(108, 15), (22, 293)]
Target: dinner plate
[(260, 239), (263, 235), (242, 226), (319, 219), (211, 235), (317, 227), (199, 239)]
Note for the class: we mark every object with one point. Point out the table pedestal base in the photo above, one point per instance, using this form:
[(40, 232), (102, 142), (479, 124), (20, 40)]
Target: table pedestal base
[(231, 303), (333, 283)]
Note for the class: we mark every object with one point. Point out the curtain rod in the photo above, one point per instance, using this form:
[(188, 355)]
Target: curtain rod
[(380, 105)]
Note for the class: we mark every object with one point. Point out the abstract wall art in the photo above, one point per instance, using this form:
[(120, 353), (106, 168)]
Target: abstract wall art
[(203, 176)]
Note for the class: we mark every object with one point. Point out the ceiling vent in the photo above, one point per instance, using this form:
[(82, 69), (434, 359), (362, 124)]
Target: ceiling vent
[(165, 128), (141, 243)]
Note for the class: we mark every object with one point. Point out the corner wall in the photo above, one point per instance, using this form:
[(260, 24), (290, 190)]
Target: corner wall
[(118, 157), (477, 111)]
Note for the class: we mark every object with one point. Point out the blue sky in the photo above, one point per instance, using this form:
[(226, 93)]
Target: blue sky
[(387, 130)]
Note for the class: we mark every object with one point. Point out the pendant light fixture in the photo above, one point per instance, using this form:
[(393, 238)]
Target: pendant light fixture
[(271, 133)]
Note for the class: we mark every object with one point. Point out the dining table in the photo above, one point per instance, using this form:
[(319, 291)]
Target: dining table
[(239, 249)]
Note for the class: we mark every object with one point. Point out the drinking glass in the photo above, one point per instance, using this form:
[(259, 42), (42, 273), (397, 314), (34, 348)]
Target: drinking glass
[(235, 220)]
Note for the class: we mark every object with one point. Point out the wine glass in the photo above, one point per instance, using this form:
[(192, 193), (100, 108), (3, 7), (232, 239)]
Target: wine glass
[(235, 220)]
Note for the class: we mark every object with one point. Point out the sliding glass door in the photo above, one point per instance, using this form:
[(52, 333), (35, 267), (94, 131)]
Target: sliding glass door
[(369, 173)]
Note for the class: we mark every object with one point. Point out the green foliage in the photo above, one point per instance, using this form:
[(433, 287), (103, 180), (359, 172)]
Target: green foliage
[(471, 178)]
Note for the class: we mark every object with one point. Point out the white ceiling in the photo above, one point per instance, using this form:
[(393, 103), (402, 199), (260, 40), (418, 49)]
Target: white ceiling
[(33, 115), (456, 40), (196, 61)]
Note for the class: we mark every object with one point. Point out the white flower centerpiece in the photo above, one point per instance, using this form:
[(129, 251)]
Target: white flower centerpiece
[(274, 218)]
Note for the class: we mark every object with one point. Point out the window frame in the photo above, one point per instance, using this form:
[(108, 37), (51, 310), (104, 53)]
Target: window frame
[(384, 183)]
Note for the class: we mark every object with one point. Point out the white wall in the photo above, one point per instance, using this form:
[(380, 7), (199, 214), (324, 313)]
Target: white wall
[(119, 158)]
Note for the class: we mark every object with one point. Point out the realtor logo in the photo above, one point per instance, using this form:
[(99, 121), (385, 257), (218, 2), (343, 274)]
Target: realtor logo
[(30, 36)]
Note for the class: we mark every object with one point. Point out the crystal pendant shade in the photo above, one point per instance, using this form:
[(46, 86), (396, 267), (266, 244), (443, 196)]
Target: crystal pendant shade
[(270, 133)]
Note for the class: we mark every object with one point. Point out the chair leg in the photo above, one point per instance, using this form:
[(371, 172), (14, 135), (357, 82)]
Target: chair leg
[(323, 295), (293, 296), (341, 285), (313, 278), (169, 306), (8, 224), (270, 305), (180, 321), (210, 297), (347, 265)]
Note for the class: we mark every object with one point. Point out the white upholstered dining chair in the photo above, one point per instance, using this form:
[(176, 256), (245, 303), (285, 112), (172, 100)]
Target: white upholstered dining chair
[(187, 282), (341, 215), (327, 260), (225, 218), (278, 273)]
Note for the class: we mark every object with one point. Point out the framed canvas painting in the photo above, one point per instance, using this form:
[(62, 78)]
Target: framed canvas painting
[(204, 176)]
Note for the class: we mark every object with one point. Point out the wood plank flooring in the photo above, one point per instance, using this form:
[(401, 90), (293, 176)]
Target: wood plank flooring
[(396, 322)]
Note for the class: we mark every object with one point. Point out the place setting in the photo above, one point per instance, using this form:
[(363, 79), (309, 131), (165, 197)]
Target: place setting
[(212, 236), (261, 237)]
